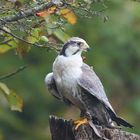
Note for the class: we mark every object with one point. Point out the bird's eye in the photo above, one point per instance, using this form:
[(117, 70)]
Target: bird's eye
[(79, 43)]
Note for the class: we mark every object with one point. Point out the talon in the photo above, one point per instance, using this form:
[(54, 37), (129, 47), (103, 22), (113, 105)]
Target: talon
[(78, 123)]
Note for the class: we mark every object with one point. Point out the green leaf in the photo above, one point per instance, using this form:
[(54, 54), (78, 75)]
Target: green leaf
[(6, 47), (35, 35), (15, 101), (61, 35)]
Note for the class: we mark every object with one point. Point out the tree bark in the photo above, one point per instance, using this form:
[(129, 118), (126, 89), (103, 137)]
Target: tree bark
[(62, 129)]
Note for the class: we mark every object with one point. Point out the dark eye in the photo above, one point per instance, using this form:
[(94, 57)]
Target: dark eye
[(79, 43)]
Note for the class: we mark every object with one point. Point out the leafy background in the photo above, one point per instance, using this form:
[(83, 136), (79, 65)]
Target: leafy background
[(115, 56)]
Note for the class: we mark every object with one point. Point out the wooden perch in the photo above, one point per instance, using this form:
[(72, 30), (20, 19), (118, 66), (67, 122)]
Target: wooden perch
[(64, 130)]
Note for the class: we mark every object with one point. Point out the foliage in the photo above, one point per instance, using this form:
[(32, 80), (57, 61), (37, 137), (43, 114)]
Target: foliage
[(34, 40), (14, 100), (29, 31)]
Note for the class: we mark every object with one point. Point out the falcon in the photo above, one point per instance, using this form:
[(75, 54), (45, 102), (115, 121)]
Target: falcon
[(74, 82)]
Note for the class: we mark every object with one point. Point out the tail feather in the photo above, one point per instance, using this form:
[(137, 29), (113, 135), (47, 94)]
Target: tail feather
[(119, 120)]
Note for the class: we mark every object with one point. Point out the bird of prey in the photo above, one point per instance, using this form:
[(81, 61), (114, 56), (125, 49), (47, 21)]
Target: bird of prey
[(73, 81)]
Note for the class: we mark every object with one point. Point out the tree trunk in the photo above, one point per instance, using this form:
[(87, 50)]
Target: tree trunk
[(64, 130)]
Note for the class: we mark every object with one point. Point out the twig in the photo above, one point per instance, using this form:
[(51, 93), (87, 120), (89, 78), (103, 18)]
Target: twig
[(5, 41), (21, 39), (33, 44), (87, 13), (21, 68), (24, 14)]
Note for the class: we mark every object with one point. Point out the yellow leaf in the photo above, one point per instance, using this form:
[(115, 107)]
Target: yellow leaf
[(4, 88), (46, 12), (68, 15), (6, 47), (15, 101)]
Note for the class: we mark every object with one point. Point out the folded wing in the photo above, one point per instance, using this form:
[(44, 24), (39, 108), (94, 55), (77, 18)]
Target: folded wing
[(90, 82)]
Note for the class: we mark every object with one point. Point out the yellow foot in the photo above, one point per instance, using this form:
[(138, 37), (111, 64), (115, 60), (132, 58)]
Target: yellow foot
[(80, 122)]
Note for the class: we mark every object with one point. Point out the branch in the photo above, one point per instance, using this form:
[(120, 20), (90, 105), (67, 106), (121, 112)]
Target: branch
[(13, 73), (14, 36), (33, 44), (60, 3), (64, 130), (5, 41), (24, 14)]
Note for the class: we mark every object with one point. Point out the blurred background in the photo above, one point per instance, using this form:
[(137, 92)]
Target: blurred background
[(115, 57)]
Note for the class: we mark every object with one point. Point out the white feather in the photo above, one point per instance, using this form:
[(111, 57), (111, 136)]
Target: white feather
[(66, 71), (48, 78), (67, 67)]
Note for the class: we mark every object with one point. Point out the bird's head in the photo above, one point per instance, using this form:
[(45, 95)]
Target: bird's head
[(74, 46)]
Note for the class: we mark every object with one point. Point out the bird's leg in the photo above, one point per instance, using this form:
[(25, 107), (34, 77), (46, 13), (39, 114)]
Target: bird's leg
[(86, 117), (78, 123)]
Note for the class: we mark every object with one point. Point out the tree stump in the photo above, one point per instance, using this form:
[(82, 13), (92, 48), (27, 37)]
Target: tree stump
[(62, 129)]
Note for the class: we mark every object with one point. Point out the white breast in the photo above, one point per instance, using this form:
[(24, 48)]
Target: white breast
[(66, 71), (67, 67)]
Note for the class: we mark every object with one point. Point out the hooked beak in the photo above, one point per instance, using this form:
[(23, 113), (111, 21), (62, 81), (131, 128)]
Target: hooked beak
[(84, 47)]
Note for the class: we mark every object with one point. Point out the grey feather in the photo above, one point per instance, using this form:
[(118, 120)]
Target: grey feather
[(51, 85), (91, 83), (52, 88), (101, 108)]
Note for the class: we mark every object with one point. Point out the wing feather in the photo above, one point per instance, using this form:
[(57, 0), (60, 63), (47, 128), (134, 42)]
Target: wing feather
[(51, 85), (52, 88), (90, 82)]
